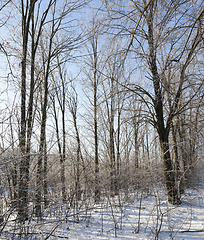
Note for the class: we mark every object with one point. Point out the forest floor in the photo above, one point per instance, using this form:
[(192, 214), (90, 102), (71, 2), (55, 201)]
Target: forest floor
[(133, 216)]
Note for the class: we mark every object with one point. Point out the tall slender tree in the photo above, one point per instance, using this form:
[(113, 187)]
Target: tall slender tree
[(72, 106), (27, 10)]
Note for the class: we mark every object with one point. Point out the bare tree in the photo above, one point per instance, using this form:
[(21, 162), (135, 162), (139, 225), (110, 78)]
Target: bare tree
[(31, 25), (93, 75), (112, 75), (61, 97), (27, 11), (72, 106), (147, 42), (94, 44), (58, 43)]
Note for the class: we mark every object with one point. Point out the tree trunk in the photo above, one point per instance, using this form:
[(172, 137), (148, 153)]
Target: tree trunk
[(136, 145), (97, 182), (45, 192), (78, 187), (60, 149), (169, 172), (1, 203), (158, 106), (72, 104), (118, 149), (112, 144), (63, 151), (39, 178), (24, 163)]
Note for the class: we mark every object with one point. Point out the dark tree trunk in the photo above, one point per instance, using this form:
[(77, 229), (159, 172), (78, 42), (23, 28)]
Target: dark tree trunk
[(78, 187), (45, 184), (118, 148), (113, 186), (24, 163), (159, 124), (97, 182), (61, 151), (172, 190), (39, 176)]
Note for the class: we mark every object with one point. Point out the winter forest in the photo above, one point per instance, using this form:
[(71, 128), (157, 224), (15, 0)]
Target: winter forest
[(101, 119)]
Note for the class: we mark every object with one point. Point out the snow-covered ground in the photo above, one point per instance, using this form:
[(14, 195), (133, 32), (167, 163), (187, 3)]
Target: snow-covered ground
[(156, 219), (140, 216)]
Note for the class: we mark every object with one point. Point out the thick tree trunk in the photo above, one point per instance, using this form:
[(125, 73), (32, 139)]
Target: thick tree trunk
[(169, 172), (159, 124)]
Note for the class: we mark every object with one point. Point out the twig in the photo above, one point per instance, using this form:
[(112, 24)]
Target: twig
[(192, 231)]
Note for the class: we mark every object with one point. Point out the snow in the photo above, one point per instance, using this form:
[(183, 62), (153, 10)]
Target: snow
[(140, 216)]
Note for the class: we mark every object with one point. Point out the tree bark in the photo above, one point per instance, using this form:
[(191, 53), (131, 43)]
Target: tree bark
[(45, 183), (78, 187), (24, 163), (158, 106), (97, 182), (172, 190), (61, 152), (39, 180), (112, 143)]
